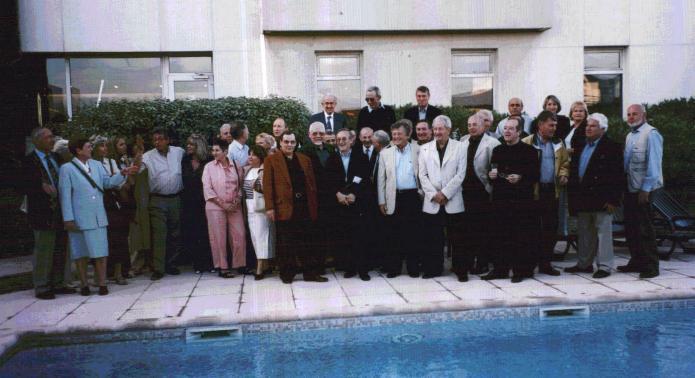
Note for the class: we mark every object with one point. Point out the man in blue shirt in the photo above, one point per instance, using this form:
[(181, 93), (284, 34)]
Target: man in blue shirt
[(642, 164), (595, 186), (554, 172)]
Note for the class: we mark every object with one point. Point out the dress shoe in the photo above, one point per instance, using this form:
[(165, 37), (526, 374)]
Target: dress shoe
[(173, 271), (629, 269), (349, 274), (430, 275), (392, 275), (463, 277), (648, 274), (84, 291), (577, 269), (286, 280), (47, 295), (601, 274), (494, 275), (64, 290), (548, 269), (156, 276), (103, 290), (258, 277), (316, 279), (365, 277), (414, 275), (517, 278)]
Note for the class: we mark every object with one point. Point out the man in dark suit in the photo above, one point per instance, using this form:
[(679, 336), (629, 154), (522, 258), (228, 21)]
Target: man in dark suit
[(319, 151), (423, 110), (331, 120), (39, 182), (375, 114), (289, 188), (347, 172), (594, 192)]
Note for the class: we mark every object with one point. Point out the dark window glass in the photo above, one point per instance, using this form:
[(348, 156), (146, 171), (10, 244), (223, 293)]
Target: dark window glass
[(603, 93)]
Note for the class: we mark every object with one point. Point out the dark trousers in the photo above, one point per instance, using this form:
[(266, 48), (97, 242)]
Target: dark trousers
[(118, 231), (48, 260), (404, 228), (295, 247), (165, 222), (471, 237), (351, 246), (432, 258), (371, 231), (548, 217), (196, 240), (639, 233), (513, 235)]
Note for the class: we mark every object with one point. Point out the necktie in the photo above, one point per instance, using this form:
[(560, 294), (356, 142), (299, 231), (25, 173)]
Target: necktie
[(329, 124), (52, 171)]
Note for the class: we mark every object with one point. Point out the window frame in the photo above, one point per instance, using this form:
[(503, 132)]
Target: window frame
[(619, 71), (492, 53), (335, 54), (164, 73)]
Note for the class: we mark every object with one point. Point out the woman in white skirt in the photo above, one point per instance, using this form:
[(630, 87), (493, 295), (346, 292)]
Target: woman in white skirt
[(82, 184), (259, 225)]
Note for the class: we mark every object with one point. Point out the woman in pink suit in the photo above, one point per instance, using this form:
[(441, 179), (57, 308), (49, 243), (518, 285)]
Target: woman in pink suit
[(222, 187)]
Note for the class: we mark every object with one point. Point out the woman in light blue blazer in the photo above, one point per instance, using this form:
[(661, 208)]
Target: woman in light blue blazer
[(82, 182)]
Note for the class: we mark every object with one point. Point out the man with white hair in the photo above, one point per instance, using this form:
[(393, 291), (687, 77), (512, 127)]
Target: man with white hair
[(328, 117), (475, 247), (516, 109), (487, 118), (441, 170), (225, 132), (375, 115), (319, 152), (642, 164), (596, 182)]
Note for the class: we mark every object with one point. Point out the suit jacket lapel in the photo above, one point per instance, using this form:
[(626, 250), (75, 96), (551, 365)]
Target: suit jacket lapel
[(447, 152)]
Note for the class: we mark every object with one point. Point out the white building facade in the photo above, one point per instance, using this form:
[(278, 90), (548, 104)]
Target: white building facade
[(471, 52)]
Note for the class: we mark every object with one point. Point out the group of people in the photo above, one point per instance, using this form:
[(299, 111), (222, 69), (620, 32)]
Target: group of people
[(387, 193)]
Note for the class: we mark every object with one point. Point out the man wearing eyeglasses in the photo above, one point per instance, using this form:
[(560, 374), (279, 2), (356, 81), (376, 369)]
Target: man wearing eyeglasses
[(375, 115), (331, 120)]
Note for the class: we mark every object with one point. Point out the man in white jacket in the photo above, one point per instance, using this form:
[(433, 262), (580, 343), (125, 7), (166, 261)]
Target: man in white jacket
[(442, 169), (400, 201)]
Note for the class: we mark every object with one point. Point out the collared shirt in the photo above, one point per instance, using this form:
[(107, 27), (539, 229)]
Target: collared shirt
[(164, 170), (405, 178), (223, 182), (329, 122), (238, 152), (368, 151), (655, 152), (547, 161), (42, 157), (345, 157), (586, 156), (422, 113), (369, 108)]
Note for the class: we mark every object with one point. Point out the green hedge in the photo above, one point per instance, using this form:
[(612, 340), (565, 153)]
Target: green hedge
[(184, 117)]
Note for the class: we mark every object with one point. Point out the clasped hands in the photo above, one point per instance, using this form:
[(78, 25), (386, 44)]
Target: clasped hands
[(440, 198), (511, 178), (345, 199), (227, 206)]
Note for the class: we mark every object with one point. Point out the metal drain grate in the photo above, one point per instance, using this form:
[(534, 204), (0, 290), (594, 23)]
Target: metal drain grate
[(564, 312), (202, 334)]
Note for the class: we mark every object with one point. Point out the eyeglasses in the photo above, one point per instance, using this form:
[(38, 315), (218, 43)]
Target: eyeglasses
[(370, 99)]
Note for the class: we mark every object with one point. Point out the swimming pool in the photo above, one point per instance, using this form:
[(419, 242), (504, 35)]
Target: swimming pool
[(620, 344)]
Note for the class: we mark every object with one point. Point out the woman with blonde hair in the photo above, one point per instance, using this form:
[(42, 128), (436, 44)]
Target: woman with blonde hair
[(266, 141), (194, 230), (576, 137)]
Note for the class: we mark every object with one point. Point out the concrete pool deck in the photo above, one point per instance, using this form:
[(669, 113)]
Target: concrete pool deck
[(196, 300)]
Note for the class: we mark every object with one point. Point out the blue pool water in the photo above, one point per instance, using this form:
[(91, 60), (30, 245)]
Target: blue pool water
[(627, 344)]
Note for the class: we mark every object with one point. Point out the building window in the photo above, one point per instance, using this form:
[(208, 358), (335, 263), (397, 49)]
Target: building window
[(77, 82), (56, 93), (339, 74), (472, 74), (93, 80), (603, 81)]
